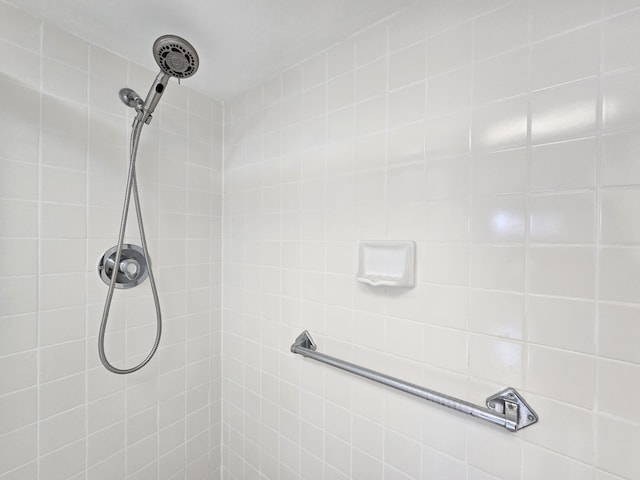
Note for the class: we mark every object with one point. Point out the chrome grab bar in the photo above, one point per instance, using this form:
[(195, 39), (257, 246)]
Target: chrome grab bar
[(506, 408)]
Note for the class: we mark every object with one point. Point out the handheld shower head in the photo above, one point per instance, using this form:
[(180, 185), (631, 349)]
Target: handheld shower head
[(176, 58)]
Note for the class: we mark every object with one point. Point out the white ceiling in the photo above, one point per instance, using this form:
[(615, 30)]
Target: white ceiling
[(240, 42)]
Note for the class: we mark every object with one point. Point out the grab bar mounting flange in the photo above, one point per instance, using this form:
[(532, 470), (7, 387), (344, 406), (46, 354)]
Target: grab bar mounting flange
[(516, 410), (304, 340)]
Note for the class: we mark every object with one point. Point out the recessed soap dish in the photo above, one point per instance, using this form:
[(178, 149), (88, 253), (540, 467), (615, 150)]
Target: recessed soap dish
[(387, 264)]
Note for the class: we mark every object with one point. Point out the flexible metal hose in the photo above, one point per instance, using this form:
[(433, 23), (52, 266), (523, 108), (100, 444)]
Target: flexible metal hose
[(132, 187)]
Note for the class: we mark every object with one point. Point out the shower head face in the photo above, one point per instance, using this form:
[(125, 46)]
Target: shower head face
[(175, 56)]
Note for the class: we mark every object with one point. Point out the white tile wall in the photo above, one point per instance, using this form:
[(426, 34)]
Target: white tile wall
[(503, 138), (461, 125), (63, 160)]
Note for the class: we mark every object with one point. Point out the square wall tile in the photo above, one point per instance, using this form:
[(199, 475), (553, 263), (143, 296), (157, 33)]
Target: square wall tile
[(541, 463), (498, 314), (620, 102), (618, 332), (19, 218), (567, 429), (341, 58), (19, 371), (617, 217), (448, 136), (548, 58), (616, 453), (564, 271), (20, 28), (620, 42), (24, 336), (18, 448), (497, 360), (502, 76), (567, 218), (618, 278), (548, 17), (407, 66), (617, 381), (500, 172), (562, 323), (18, 295), (449, 92), (371, 44), (544, 378), (407, 105), (19, 180), (18, 256), (449, 50), (18, 410), (619, 159), (481, 443), (564, 165), (445, 16), (500, 125), (497, 267), (501, 30), (446, 348), (564, 112), (499, 219)]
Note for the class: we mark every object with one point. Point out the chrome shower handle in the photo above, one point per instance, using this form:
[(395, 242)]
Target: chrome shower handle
[(130, 267)]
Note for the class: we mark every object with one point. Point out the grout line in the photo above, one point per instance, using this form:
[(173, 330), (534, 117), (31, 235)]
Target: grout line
[(527, 230), (528, 207), (188, 131), (472, 159), (86, 253), (39, 263), (598, 244), (220, 464)]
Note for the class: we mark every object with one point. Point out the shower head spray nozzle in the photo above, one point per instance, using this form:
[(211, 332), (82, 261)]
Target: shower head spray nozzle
[(175, 56)]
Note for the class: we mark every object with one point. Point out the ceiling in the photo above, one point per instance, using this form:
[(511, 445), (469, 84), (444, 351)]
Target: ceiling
[(240, 42)]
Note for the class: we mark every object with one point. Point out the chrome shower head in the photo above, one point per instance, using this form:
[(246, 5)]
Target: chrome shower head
[(175, 56)]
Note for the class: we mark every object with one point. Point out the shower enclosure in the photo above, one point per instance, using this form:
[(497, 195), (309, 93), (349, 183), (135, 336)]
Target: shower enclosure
[(501, 138)]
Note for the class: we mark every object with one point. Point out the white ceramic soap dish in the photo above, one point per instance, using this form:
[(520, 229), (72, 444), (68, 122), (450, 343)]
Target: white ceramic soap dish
[(387, 264)]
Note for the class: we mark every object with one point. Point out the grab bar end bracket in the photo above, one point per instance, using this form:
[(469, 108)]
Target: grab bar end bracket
[(305, 341), (518, 414)]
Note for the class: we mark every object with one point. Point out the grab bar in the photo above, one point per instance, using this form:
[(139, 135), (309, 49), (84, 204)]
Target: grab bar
[(506, 408)]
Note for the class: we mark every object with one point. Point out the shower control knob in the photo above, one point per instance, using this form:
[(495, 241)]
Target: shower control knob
[(132, 268)]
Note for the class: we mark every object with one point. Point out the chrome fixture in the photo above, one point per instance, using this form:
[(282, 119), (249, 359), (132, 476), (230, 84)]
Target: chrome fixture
[(176, 58), (506, 408), (130, 98), (132, 269)]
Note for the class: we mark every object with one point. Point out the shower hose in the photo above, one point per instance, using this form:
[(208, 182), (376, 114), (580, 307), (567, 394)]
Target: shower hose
[(132, 187)]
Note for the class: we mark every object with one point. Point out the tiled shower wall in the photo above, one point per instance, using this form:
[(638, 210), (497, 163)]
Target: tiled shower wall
[(63, 162), (504, 138)]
